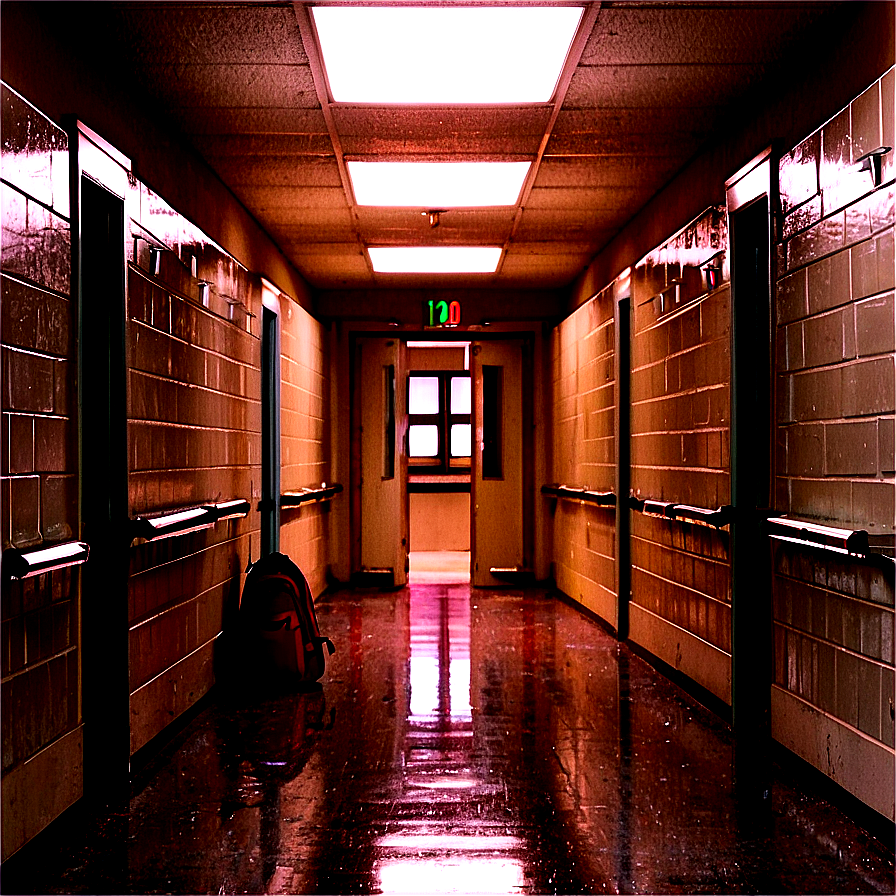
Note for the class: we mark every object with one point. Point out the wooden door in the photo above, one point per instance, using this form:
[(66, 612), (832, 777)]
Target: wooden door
[(380, 392), (497, 463)]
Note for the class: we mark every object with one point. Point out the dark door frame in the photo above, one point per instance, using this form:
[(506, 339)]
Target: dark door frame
[(99, 187), (270, 426), (751, 209)]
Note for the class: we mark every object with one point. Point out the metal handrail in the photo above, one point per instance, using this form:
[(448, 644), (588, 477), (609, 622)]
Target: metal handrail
[(310, 495), (574, 493), (669, 510), (232, 510), (20, 564), (191, 519), (841, 541)]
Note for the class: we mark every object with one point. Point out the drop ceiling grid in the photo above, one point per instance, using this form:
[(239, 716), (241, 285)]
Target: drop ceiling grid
[(653, 81)]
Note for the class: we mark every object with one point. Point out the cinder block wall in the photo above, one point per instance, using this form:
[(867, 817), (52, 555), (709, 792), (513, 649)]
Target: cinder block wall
[(584, 402), (680, 418), (38, 482), (833, 699), (194, 437), (305, 442), (833, 691)]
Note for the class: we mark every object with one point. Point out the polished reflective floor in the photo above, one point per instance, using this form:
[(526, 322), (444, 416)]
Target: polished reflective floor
[(462, 742)]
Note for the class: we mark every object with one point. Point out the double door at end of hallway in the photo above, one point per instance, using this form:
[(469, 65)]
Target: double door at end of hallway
[(497, 461)]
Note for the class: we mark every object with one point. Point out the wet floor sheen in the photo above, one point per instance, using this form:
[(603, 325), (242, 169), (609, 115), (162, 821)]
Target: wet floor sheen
[(463, 742)]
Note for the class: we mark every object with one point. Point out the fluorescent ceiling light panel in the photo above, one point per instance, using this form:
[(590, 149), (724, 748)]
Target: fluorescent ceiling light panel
[(445, 54), (435, 259), (438, 184)]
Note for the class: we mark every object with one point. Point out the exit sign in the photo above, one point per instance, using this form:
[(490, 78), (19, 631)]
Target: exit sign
[(438, 313)]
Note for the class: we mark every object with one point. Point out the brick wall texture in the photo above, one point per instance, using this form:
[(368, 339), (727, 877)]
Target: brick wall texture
[(584, 400), (304, 444), (38, 479), (835, 399)]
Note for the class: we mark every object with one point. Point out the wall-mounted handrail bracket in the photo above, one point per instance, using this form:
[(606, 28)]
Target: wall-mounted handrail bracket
[(18, 564)]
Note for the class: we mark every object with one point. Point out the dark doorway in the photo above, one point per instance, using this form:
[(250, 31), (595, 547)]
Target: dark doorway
[(751, 377), (102, 392), (270, 432)]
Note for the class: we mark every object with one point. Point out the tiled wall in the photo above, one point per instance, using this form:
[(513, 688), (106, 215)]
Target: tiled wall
[(680, 415), (584, 401), (835, 452), (194, 437), (680, 586), (38, 480), (304, 443)]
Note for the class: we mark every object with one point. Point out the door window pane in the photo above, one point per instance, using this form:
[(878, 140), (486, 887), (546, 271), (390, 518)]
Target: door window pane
[(423, 395), (460, 439), (460, 395), (423, 440)]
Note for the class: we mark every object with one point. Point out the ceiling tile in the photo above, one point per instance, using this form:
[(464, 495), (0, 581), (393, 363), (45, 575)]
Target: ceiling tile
[(608, 171), (693, 34), (264, 197), (279, 171), (557, 270), (222, 34), (539, 248), (294, 216), (265, 145), (597, 198), (186, 85), (568, 219), (637, 132), (250, 120), (451, 132), (669, 86), (329, 270)]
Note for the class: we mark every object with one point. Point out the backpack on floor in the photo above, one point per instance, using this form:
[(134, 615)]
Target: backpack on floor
[(279, 623)]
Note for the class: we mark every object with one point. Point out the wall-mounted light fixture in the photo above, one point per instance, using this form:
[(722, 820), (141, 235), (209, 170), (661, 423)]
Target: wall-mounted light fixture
[(873, 162)]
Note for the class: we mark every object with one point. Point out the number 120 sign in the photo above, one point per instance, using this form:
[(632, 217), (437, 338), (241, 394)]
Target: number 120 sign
[(441, 314)]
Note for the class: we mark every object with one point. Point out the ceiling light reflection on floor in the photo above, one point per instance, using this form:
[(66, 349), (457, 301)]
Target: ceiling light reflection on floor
[(435, 259), (450, 874), (441, 843)]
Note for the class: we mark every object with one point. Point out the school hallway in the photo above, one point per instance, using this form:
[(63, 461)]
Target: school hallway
[(462, 741)]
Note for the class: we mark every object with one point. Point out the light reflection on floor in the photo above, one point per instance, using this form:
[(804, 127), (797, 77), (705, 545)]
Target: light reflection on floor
[(439, 760), (439, 567), (461, 741)]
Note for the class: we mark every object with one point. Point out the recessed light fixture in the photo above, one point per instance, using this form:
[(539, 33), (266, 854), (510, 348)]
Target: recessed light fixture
[(437, 185), (445, 54), (435, 259)]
